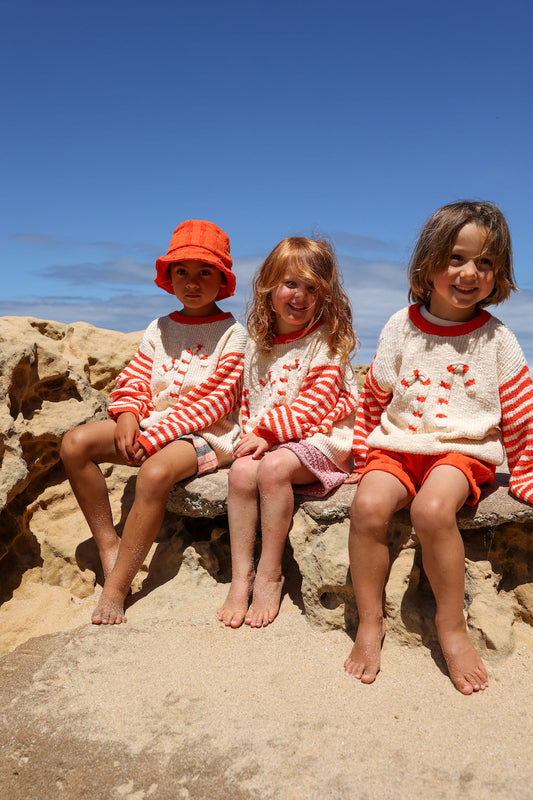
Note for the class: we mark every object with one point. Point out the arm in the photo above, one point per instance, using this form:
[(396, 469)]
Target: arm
[(372, 402), (318, 405), (207, 403), (516, 398), (132, 392)]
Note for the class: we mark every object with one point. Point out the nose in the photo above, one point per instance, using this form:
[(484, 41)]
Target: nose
[(469, 268)]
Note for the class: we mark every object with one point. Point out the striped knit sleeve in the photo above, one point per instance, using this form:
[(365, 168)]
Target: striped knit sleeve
[(372, 402), (203, 406), (245, 407), (318, 400), (516, 398), (132, 390)]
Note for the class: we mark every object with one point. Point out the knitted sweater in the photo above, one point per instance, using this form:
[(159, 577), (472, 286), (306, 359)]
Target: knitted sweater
[(300, 390), (435, 389), (186, 377)]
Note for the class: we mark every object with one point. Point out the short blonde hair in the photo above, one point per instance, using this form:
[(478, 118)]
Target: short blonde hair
[(437, 239), (315, 261)]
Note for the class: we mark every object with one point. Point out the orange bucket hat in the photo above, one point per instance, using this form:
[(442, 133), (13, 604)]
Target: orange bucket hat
[(199, 240)]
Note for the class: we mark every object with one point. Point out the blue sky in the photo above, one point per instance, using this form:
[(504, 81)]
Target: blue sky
[(349, 118)]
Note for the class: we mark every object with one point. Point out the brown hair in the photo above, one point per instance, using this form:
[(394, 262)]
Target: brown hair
[(315, 261), (437, 239)]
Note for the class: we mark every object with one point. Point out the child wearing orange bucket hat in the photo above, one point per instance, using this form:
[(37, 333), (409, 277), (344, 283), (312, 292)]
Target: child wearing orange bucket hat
[(173, 411)]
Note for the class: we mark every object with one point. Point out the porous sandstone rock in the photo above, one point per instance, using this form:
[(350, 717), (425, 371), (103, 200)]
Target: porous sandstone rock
[(499, 562), (52, 378)]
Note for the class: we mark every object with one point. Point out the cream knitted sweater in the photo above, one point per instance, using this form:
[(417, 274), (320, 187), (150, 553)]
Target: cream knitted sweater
[(436, 389), (301, 391), (186, 377)]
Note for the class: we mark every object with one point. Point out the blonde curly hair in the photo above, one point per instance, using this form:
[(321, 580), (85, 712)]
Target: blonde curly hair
[(313, 260)]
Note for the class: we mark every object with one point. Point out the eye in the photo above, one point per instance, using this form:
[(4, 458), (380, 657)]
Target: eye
[(455, 258), (312, 289), (290, 284), (179, 270), (485, 263), (206, 272)]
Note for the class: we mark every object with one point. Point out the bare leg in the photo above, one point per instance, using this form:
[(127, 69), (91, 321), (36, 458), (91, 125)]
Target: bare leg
[(157, 475), (277, 472), (378, 496), (82, 449), (433, 514), (243, 518)]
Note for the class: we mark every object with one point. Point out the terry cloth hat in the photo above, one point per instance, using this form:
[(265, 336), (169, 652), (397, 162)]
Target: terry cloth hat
[(202, 241)]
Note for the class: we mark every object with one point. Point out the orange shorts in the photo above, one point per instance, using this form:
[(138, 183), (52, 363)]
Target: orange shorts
[(412, 469)]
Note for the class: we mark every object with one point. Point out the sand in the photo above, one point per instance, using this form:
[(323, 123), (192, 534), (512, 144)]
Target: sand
[(180, 706)]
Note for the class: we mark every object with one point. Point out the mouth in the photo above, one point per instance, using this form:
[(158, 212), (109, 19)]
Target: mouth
[(298, 308), (466, 290)]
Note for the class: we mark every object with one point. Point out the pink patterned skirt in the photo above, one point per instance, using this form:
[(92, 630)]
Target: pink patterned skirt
[(327, 474)]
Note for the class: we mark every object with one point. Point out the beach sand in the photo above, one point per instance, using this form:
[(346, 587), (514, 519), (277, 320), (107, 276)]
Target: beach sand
[(176, 705)]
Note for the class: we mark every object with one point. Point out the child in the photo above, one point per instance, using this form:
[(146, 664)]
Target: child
[(298, 405), (173, 410), (447, 391)]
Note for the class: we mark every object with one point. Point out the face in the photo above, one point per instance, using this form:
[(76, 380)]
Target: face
[(196, 285), (294, 302), (466, 280)]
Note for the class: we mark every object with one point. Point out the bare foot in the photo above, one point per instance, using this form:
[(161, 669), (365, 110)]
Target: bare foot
[(110, 609), (365, 658), (234, 608), (467, 670), (266, 601)]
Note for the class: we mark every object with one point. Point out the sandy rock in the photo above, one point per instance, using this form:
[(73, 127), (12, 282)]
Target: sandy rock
[(499, 549), (52, 378)]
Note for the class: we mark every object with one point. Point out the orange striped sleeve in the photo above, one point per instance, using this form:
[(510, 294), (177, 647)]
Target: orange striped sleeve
[(318, 404), (516, 399), (132, 390), (372, 401), (207, 403)]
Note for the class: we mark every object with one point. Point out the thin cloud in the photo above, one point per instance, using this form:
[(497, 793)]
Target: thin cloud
[(352, 241), (361, 273), (64, 243), (123, 271)]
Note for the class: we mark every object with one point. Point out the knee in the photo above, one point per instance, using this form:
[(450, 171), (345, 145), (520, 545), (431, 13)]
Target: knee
[(154, 479), (71, 445), (431, 515), (368, 513), (273, 472), (240, 478)]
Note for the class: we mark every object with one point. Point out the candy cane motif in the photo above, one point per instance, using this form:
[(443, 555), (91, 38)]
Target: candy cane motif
[(181, 367), (422, 378), (446, 387)]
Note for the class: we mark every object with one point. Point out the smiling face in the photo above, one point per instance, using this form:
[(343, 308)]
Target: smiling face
[(294, 303), (196, 285), (467, 278)]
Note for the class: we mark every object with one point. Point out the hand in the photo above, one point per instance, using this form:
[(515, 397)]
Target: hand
[(251, 444), (126, 433), (140, 454), (353, 478)]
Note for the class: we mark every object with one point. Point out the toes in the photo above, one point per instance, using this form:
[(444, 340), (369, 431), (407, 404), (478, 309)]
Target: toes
[(234, 619), (368, 676)]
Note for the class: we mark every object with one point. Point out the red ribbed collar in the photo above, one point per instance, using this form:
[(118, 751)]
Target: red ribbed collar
[(283, 338), (177, 317), (460, 329)]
